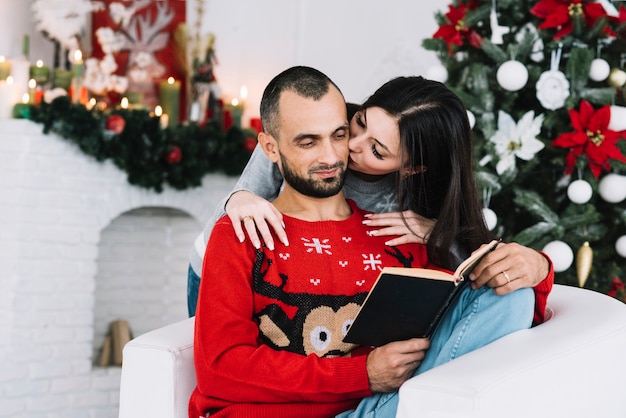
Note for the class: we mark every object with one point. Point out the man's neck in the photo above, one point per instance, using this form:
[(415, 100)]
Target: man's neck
[(311, 209)]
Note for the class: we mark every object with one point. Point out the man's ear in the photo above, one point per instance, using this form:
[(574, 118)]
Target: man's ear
[(406, 172), (269, 146)]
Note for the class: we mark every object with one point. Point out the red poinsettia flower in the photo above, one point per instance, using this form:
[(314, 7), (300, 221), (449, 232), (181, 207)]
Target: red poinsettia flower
[(592, 138), (558, 14), (456, 31)]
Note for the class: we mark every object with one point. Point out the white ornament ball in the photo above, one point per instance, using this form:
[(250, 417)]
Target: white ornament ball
[(491, 219), (612, 188), (620, 246), (472, 119), (561, 255), (579, 191), (437, 73), (600, 70), (512, 75)]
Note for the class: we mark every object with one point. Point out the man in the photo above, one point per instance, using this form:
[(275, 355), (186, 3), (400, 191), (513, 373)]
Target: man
[(270, 322)]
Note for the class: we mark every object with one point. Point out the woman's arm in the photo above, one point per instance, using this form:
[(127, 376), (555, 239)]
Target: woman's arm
[(259, 182)]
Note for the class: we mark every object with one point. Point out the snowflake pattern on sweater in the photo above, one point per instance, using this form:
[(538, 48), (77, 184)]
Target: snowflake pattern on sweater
[(310, 292)]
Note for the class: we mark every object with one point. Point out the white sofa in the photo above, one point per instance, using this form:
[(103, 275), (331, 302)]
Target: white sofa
[(574, 365)]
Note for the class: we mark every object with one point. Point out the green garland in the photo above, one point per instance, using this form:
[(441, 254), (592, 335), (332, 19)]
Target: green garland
[(151, 156)]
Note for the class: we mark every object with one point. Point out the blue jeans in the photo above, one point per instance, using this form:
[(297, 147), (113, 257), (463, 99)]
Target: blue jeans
[(193, 284), (478, 318)]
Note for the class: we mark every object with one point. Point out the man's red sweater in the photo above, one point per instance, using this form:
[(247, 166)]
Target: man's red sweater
[(269, 324)]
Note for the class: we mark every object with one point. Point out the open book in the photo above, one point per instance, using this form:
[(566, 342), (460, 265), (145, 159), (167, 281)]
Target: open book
[(409, 302)]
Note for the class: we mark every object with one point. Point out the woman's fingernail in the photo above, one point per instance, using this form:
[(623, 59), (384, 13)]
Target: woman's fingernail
[(286, 242), (367, 222), (241, 238), (270, 245)]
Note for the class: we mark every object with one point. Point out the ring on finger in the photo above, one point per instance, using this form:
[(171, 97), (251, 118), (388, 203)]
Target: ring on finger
[(506, 276), (246, 218)]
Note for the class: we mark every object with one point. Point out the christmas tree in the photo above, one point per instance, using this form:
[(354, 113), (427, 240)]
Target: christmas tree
[(545, 91)]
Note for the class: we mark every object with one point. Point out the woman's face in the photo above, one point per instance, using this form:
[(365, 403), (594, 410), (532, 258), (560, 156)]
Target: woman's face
[(374, 142)]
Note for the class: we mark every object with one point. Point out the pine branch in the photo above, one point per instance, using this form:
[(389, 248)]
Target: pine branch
[(578, 66), (601, 96), (533, 203), (494, 52), (141, 148), (530, 236)]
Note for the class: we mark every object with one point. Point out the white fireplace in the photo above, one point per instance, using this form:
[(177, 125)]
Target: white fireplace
[(80, 247)]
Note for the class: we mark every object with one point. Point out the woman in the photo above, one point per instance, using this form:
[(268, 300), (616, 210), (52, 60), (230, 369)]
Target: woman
[(410, 148)]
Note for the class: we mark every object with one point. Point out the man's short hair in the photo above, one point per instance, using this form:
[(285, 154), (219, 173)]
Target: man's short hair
[(304, 81)]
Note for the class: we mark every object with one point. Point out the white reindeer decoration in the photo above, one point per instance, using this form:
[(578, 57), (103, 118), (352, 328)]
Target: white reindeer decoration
[(144, 36), (137, 31)]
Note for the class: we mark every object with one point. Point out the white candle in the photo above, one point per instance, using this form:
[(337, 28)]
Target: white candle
[(7, 98), (165, 120), (32, 84), (20, 71), (239, 113), (194, 112), (124, 103)]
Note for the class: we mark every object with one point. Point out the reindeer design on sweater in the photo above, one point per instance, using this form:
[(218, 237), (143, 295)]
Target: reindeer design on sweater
[(320, 322)]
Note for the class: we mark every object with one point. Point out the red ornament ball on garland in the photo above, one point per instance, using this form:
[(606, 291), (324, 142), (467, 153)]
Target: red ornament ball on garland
[(249, 144), (115, 124), (174, 156)]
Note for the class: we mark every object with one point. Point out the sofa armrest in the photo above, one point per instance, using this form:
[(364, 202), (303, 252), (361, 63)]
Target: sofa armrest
[(158, 373), (570, 366)]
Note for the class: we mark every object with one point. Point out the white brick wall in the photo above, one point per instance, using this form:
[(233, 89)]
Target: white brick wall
[(142, 262), (61, 217)]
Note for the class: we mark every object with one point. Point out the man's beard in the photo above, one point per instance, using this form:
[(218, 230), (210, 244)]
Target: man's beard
[(315, 188)]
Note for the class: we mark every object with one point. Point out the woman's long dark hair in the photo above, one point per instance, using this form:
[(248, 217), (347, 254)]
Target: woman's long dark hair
[(435, 134)]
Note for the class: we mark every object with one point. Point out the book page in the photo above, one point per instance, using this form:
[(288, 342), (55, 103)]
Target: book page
[(419, 272), (470, 262)]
